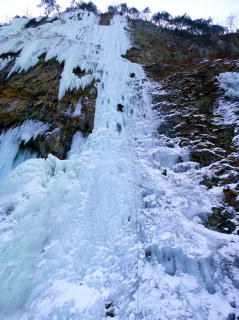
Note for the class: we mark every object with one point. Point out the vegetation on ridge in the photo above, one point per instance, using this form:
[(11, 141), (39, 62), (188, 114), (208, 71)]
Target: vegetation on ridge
[(162, 19)]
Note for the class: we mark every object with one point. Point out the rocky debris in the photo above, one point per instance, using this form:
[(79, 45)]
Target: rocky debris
[(185, 70), (187, 103), (220, 220), (205, 157), (34, 95), (231, 197)]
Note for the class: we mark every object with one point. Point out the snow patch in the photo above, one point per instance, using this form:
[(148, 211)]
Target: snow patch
[(229, 82)]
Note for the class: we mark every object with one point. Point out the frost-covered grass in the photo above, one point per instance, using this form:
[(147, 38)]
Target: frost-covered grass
[(106, 227)]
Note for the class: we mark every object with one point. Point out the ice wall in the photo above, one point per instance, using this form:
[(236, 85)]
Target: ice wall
[(10, 140), (116, 230)]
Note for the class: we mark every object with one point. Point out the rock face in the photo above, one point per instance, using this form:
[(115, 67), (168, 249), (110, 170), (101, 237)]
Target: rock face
[(186, 68), (105, 19), (155, 45), (33, 95)]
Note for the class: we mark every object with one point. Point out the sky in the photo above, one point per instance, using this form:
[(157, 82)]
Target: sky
[(217, 9)]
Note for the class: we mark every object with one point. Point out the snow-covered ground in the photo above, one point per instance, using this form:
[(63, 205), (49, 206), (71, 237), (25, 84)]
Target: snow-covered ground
[(117, 229)]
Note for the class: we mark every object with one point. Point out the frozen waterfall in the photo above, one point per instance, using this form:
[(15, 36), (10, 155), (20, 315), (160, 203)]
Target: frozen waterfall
[(104, 234)]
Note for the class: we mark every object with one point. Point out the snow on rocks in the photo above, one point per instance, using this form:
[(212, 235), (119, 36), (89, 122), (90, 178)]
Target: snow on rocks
[(184, 262), (228, 106), (229, 82)]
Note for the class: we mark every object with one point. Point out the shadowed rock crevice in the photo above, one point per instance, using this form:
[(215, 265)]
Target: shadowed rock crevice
[(33, 23)]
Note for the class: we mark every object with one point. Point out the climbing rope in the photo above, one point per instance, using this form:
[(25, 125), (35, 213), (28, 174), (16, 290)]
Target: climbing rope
[(132, 154)]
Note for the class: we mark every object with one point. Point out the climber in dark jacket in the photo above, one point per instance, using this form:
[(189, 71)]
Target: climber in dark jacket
[(120, 107)]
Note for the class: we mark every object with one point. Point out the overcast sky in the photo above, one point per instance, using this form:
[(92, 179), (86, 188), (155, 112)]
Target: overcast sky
[(217, 9)]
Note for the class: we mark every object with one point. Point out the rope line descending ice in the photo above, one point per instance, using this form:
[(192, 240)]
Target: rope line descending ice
[(137, 231)]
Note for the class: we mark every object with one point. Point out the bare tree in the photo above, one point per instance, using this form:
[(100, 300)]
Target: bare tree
[(49, 6), (7, 18), (28, 13), (232, 23), (146, 13), (134, 13), (112, 9)]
